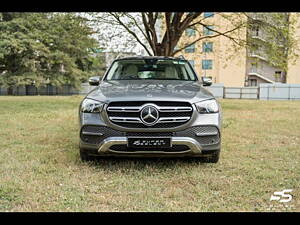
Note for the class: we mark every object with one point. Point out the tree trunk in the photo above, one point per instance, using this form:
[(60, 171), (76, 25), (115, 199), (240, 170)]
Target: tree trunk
[(163, 50), (10, 90)]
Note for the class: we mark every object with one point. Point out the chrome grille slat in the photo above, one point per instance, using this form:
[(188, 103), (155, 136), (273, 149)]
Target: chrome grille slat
[(139, 108), (174, 109), (125, 119), (138, 120), (124, 109), (173, 119)]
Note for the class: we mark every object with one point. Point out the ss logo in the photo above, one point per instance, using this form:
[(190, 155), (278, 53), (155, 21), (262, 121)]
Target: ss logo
[(278, 195)]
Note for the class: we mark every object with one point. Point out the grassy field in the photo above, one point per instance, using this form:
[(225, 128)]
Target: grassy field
[(40, 169)]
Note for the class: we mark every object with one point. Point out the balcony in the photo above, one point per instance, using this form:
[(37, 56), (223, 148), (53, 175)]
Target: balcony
[(257, 35), (259, 73), (269, 19), (258, 54), (257, 16)]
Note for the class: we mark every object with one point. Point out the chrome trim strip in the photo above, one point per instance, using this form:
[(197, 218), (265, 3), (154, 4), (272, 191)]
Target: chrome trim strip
[(206, 134), (194, 146), (174, 109), (108, 142), (124, 109), (173, 119), (125, 119), (91, 133)]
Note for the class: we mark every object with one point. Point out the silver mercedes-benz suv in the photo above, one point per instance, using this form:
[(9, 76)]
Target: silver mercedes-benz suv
[(150, 107)]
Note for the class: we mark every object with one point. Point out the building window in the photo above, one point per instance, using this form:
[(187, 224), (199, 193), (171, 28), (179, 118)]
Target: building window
[(255, 30), (190, 48), (253, 68), (277, 76), (190, 32), (208, 14), (207, 31), (207, 47), (192, 62), (207, 64), (253, 82)]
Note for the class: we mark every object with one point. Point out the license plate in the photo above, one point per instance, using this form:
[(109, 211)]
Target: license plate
[(149, 142)]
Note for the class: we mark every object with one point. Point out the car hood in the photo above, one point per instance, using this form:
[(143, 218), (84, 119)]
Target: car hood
[(150, 90)]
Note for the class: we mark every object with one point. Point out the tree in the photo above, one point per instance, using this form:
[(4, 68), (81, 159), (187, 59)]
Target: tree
[(44, 48), (161, 34)]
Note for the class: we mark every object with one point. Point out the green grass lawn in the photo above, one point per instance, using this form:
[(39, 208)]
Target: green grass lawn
[(40, 169)]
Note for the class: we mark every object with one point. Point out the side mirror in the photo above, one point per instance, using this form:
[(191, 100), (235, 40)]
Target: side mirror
[(94, 81), (206, 81)]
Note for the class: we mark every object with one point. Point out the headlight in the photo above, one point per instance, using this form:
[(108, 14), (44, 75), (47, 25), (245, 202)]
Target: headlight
[(91, 106), (209, 106)]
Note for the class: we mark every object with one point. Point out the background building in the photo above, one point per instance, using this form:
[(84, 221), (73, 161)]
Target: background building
[(218, 59), (293, 76), (262, 28), (209, 56)]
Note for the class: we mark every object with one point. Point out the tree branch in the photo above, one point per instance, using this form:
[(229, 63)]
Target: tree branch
[(188, 19), (148, 33), (136, 24), (130, 31), (211, 36), (225, 33)]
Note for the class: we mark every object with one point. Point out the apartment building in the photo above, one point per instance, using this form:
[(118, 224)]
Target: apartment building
[(293, 75), (218, 59), (263, 29)]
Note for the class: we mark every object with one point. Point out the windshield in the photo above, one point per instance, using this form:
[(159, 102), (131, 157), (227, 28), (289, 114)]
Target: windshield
[(151, 69)]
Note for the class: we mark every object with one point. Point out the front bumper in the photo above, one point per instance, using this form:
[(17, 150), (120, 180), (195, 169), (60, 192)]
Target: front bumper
[(192, 145), (194, 141), (200, 136)]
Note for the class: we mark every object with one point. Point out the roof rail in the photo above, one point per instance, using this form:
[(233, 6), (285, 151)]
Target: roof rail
[(181, 56), (118, 56)]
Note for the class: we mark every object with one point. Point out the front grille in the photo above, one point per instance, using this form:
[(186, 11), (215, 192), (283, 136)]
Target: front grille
[(128, 114)]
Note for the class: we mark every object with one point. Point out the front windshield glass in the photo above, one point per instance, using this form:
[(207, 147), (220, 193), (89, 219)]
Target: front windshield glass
[(151, 69)]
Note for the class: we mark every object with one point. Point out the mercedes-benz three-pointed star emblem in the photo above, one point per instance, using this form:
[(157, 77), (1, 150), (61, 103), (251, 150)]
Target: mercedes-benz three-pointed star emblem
[(149, 115)]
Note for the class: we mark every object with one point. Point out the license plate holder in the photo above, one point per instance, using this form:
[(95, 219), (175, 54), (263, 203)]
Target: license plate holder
[(149, 142)]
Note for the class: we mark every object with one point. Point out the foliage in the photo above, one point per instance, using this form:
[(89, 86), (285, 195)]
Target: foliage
[(112, 36), (271, 35), (44, 48), (163, 33)]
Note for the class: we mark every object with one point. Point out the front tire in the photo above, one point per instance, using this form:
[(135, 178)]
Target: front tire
[(213, 158), (85, 157)]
